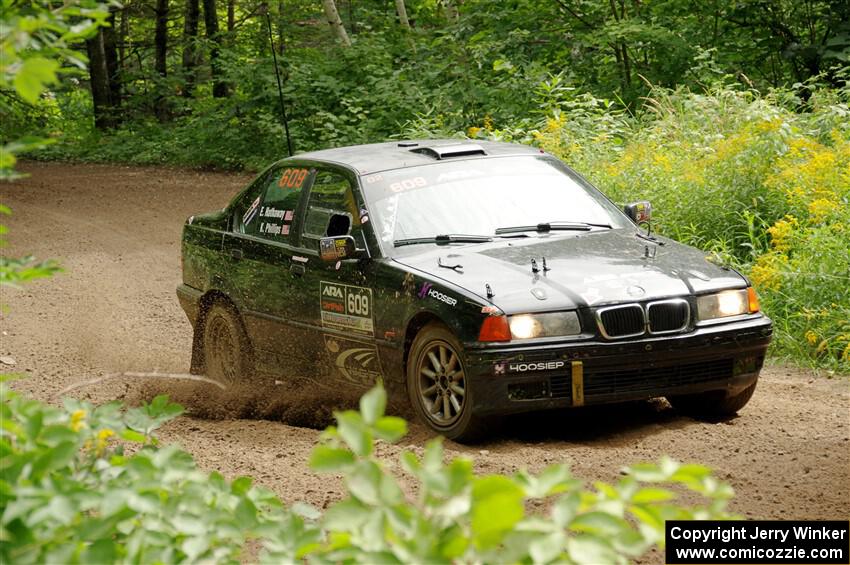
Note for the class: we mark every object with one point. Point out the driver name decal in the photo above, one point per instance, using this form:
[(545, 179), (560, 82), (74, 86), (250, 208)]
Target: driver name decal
[(345, 307)]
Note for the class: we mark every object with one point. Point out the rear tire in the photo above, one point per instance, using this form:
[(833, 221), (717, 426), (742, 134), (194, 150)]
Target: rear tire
[(438, 386), (226, 348), (712, 405)]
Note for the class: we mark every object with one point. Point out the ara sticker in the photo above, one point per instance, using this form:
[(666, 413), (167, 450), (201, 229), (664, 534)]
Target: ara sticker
[(251, 212), (346, 308), (356, 361)]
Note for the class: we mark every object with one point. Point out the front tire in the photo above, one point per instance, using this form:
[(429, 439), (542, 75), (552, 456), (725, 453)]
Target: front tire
[(712, 405), (227, 350), (438, 385)]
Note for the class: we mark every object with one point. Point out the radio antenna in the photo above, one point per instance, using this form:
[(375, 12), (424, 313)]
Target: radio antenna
[(265, 9)]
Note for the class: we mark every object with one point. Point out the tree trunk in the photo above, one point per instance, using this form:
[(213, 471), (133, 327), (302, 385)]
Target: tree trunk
[(452, 12), (161, 37), (620, 52), (280, 44), (402, 14), (104, 118), (190, 37), (122, 43), (219, 88), (231, 15), (113, 70), (336, 24), (161, 52)]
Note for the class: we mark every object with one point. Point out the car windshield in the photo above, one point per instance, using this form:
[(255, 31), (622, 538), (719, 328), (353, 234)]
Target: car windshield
[(482, 196)]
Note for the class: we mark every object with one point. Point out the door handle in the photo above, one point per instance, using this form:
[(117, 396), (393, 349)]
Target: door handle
[(236, 253), (297, 270)]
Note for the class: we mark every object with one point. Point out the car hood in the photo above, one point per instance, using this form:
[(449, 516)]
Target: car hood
[(589, 269)]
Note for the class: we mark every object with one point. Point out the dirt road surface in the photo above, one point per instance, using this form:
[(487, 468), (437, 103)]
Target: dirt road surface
[(116, 230)]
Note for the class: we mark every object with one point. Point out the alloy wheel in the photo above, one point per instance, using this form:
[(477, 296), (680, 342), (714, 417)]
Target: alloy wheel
[(441, 383)]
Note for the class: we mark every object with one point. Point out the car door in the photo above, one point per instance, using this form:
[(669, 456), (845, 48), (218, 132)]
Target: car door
[(266, 268), (342, 312)]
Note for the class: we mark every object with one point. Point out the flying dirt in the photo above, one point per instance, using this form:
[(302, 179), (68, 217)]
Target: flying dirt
[(116, 232)]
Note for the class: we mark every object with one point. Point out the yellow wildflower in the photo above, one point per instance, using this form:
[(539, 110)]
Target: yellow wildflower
[(821, 209), (846, 354), (769, 125), (78, 420), (662, 161), (767, 271), (473, 131), (102, 439), (488, 123), (811, 337), (781, 233)]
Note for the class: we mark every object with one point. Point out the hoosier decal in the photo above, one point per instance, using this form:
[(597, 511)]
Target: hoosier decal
[(346, 307)]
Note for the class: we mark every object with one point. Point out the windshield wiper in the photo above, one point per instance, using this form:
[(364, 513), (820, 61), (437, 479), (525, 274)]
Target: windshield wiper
[(443, 239), (553, 226)]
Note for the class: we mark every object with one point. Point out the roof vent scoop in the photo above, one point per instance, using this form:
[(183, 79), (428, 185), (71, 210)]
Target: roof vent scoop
[(441, 152)]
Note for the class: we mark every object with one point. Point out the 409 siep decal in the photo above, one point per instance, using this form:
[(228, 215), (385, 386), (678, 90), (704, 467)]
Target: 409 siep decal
[(345, 307), (356, 361)]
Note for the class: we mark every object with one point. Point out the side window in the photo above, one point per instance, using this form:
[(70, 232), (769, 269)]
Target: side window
[(271, 213), (331, 198)]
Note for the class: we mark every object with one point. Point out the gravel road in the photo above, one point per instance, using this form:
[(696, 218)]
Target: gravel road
[(116, 231)]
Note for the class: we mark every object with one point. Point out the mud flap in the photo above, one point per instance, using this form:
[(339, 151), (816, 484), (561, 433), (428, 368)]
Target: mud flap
[(578, 383), (196, 364)]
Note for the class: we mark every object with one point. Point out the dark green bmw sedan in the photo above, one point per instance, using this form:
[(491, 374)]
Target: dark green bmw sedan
[(478, 279)]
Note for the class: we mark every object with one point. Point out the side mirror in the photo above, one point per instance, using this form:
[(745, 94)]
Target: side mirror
[(640, 212), (333, 249)]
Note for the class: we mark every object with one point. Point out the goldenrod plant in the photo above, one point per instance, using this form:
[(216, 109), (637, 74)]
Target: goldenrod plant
[(758, 186)]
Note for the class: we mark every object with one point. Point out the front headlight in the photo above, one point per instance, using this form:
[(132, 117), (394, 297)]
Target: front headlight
[(528, 326), (726, 303)]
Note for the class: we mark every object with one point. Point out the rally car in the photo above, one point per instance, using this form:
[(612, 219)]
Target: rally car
[(479, 279)]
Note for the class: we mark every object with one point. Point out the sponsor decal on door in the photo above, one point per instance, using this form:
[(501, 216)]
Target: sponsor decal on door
[(356, 361), (347, 308)]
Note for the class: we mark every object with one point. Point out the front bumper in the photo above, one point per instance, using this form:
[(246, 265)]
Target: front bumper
[(512, 379)]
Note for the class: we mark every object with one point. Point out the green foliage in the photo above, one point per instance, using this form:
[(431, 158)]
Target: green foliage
[(86, 484), (35, 39), (740, 175), (458, 516)]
